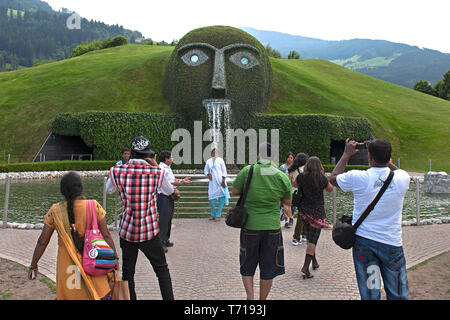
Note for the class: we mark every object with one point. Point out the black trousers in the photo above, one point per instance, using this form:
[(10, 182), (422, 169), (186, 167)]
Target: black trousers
[(154, 252), (166, 207)]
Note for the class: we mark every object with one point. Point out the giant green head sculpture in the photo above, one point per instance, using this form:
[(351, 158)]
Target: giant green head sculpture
[(219, 63)]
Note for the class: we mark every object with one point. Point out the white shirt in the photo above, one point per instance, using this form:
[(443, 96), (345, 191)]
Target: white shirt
[(384, 223), (216, 167), (167, 188)]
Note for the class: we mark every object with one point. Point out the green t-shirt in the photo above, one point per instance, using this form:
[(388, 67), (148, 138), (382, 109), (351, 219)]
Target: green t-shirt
[(267, 188)]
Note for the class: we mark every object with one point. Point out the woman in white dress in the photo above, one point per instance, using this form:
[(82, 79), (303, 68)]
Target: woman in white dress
[(216, 172)]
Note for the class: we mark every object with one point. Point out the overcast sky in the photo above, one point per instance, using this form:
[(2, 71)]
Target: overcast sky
[(423, 23)]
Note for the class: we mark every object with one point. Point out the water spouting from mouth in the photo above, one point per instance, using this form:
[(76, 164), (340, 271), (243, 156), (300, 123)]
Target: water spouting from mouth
[(215, 109)]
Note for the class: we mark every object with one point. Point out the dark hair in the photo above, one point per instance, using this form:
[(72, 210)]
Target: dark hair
[(287, 156), (71, 187), (125, 149), (313, 169), (299, 161), (380, 151), (163, 155)]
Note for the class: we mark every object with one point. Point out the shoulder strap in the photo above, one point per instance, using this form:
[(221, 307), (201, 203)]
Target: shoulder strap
[(247, 185), (374, 202), (90, 211)]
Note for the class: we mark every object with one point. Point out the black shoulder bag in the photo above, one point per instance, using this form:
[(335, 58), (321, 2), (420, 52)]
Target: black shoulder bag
[(344, 232), (237, 216)]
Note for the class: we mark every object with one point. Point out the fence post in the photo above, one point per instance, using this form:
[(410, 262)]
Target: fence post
[(333, 161), (399, 163), (416, 180), (104, 193), (430, 164), (5, 212), (9, 158)]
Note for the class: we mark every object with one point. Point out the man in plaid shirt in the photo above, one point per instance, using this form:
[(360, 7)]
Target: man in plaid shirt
[(138, 182)]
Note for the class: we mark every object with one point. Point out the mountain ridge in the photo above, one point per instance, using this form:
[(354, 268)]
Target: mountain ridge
[(408, 64)]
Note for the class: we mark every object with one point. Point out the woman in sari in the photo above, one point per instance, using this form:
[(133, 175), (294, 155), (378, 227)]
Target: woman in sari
[(312, 181), (69, 219)]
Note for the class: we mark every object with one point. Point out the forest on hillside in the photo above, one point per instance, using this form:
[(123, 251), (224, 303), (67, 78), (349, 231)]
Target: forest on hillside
[(29, 35)]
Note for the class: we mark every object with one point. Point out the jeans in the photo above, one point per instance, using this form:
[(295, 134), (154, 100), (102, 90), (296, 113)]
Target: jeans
[(154, 252), (212, 204), (166, 207), (375, 260)]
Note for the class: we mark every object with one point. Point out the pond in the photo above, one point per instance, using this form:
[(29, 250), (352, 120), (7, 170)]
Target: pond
[(30, 200)]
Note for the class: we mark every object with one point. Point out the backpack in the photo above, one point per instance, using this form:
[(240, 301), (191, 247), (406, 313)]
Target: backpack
[(98, 257)]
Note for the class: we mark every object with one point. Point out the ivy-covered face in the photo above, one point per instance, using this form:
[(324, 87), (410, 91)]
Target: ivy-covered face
[(218, 64)]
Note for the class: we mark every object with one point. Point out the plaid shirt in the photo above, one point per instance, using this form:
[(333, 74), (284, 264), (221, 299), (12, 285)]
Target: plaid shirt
[(138, 183)]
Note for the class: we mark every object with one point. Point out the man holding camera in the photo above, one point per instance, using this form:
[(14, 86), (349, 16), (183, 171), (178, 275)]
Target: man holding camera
[(378, 246), (138, 182)]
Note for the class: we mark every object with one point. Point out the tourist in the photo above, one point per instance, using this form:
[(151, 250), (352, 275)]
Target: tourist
[(293, 172), (216, 171), (125, 156), (312, 181), (165, 200), (71, 215), (261, 241), (288, 160), (378, 248), (138, 182)]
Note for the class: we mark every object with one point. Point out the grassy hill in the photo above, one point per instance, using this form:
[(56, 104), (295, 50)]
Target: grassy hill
[(129, 78)]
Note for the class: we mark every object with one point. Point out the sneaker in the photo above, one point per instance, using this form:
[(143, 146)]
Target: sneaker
[(303, 239), (291, 221), (287, 225), (295, 242)]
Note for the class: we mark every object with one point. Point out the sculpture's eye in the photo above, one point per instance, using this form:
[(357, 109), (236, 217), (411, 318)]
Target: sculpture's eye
[(244, 60), (194, 57)]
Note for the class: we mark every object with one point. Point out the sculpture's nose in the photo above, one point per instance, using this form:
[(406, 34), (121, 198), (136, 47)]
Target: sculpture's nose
[(219, 85)]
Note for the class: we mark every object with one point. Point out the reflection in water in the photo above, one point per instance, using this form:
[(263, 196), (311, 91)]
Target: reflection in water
[(31, 199)]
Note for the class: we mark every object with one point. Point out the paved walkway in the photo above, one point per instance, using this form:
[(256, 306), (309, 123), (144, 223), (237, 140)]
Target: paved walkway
[(204, 262)]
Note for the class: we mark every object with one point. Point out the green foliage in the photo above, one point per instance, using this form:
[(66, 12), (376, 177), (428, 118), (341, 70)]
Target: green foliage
[(185, 87), (312, 134), (293, 55), (425, 87), (271, 52), (57, 166), (86, 47), (109, 132), (41, 34)]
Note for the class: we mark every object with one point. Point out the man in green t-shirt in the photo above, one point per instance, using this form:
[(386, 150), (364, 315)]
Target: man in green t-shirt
[(261, 240)]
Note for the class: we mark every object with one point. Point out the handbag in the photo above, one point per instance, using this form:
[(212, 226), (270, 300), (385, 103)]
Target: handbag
[(237, 216), (119, 288), (98, 257), (344, 232), (297, 197), (175, 196)]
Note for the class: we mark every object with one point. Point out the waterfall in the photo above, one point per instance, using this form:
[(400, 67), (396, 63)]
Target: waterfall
[(215, 109)]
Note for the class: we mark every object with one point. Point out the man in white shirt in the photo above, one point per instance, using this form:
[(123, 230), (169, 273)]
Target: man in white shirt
[(216, 172), (165, 203), (378, 246)]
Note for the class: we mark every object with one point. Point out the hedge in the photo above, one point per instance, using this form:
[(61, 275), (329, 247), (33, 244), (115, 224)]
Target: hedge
[(97, 166), (108, 132), (57, 166)]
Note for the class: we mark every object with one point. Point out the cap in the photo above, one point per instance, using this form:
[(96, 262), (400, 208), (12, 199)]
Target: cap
[(141, 145)]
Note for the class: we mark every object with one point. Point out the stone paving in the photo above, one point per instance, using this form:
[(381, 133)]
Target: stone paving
[(204, 262)]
